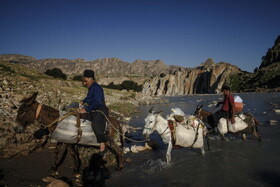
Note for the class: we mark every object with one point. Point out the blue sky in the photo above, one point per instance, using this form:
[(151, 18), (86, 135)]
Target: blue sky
[(178, 32)]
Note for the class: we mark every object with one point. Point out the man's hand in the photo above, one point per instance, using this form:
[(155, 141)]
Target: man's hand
[(82, 110)]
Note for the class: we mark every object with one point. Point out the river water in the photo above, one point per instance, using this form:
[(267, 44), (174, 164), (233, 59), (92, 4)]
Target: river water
[(228, 163)]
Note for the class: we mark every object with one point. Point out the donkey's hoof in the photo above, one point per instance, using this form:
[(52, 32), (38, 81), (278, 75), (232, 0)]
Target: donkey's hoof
[(54, 174), (48, 179), (78, 179)]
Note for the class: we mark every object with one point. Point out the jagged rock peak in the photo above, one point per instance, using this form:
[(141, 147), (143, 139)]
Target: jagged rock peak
[(272, 55), (208, 63)]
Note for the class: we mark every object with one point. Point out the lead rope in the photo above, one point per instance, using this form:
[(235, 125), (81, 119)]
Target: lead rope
[(118, 130), (80, 131)]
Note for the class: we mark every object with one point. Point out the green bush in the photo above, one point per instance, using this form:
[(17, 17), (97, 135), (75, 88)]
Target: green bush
[(125, 85), (56, 73)]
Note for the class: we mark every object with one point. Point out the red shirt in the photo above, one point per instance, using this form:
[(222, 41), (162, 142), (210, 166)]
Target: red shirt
[(226, 102)]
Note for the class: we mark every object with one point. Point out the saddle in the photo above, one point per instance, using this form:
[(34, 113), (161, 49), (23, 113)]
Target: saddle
[(172, 127)]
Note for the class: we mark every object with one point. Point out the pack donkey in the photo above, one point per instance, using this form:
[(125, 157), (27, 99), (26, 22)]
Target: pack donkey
[(30, 110), (244, 123), (190, 135)]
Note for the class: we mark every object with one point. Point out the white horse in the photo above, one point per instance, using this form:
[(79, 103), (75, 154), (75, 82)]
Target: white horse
[(189, 135)]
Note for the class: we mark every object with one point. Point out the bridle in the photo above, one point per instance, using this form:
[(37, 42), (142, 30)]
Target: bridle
[(38, 111), (154, 127)]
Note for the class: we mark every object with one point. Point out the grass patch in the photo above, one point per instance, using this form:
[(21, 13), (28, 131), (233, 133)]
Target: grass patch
[(123, 108)]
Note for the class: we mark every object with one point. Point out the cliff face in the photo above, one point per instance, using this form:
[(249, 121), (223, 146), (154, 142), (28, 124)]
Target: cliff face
[(203, 79), (272, 55)]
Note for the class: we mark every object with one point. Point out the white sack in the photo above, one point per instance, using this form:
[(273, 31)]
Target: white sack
[(238, 99), (177, 111), (66, 132)]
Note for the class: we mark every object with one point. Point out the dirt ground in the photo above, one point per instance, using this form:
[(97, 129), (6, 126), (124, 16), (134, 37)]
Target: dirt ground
[(31, 169)]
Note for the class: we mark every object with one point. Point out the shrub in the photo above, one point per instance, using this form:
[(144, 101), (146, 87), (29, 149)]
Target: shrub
[(125, 85), (56, 73), (78, 78)]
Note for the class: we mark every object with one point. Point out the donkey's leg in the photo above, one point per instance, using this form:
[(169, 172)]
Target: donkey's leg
[(58, 160), (243, 135), (75, 156), (256, 133), (168, 153), (222, 137), (117, 151), (76, 159)]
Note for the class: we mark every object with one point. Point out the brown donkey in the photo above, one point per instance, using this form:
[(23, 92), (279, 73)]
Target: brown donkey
[(28, 113), (249, 119)]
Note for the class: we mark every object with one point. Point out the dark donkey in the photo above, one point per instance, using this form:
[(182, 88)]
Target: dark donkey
[(249, 119), (28, 112)]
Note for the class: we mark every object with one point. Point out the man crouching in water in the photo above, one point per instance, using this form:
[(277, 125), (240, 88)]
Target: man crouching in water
[(95, 100)]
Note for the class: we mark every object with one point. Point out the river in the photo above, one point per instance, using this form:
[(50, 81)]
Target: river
[(228, 163)]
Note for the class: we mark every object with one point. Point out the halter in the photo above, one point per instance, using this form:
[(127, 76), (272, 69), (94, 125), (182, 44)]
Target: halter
[(38, 111), (154, 127)]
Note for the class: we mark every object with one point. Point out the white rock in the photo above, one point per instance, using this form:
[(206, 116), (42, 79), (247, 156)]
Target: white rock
[(147, 146), (273, 122), (134, 149), (276, 111), (5, 82), (140, 148), (126, 150)]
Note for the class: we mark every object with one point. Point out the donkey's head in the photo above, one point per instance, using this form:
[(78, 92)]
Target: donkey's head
[(197, 111), (26, 113), (150, 123)]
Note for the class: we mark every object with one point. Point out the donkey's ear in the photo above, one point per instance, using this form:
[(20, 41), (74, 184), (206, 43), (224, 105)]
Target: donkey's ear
[(151, 110), (200, 107), (29, 100)]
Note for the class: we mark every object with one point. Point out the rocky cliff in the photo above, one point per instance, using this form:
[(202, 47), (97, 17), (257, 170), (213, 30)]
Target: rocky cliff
[(160, 79), (272, 55), (206, 78), (265, 78), (156, 77)]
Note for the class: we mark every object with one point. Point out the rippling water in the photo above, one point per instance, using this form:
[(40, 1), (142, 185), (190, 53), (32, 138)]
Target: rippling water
[(229, 163)]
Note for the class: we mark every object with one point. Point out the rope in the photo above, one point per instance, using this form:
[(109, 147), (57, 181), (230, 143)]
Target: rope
[(60, 119), (118, 130), (75, 112)]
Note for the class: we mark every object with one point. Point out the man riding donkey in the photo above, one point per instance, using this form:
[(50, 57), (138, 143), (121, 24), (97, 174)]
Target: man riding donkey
[(227, 110), (93, 108)]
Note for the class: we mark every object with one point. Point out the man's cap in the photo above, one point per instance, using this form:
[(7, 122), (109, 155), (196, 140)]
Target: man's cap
[(89, 73), (225, 88)]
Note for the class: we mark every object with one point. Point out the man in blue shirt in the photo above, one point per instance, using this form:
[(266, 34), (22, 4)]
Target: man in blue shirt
[(95, 100)]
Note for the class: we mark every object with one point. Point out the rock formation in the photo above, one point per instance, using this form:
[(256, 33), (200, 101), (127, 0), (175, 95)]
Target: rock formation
[(206, 78), (272, 55)]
